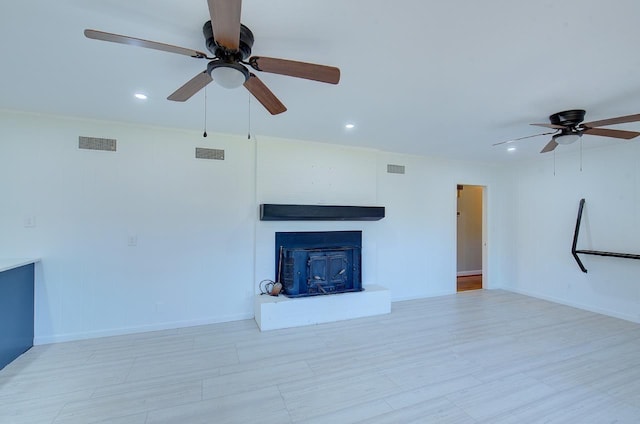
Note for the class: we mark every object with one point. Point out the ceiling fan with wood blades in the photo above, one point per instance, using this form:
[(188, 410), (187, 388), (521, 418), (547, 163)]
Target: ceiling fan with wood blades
[(569, 127), (230, 43)]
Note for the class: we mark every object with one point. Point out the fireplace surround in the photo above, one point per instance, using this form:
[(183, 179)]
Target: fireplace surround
[(318, 262)]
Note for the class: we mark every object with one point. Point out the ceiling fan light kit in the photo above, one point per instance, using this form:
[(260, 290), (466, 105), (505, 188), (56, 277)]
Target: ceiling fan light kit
[(567, 138), (227, 71), (230, 42), (227, 74)]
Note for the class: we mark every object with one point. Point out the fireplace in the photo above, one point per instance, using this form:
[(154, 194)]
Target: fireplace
[(318, 263)]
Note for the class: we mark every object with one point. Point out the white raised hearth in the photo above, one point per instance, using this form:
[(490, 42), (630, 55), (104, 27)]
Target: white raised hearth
[(272, 313)]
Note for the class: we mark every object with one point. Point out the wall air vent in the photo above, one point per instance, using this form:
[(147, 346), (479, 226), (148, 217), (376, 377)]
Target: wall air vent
[(95, 143), (395, 169), (203, 153)]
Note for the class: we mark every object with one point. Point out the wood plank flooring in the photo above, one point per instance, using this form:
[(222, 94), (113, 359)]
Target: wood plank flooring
[(469, 282), (485, 356)]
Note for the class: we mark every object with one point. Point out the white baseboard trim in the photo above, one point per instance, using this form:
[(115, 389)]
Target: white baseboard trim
[(422, 295), (594, 309), (69, 337), (468, 273)]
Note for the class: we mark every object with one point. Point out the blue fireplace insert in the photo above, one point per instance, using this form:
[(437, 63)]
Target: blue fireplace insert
[(319, 262)]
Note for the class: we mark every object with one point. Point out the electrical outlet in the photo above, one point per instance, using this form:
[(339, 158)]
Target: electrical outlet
[(132, 241)]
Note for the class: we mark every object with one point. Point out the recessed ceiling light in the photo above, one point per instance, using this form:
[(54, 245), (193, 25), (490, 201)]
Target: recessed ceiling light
[(140, 96), (349, 126), (511, 149)]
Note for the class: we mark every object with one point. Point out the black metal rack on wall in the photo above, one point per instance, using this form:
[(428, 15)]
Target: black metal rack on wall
[(575, 251)]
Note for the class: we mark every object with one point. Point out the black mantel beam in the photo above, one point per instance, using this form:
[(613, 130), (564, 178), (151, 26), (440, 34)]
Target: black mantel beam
[(275, 212)]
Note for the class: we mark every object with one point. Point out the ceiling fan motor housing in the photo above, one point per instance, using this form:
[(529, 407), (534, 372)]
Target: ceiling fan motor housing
[(243, 52), (568, 118)]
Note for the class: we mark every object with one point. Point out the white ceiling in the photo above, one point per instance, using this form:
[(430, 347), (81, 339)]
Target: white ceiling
[(445, 78)]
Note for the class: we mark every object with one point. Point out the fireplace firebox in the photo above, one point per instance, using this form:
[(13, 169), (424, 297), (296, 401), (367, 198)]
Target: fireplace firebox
[(319, 263)]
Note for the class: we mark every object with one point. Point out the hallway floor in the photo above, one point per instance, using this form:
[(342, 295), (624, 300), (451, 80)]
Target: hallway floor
[(469, 282)]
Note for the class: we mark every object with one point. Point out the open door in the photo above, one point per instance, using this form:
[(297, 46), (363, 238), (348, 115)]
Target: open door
[(470, 237)]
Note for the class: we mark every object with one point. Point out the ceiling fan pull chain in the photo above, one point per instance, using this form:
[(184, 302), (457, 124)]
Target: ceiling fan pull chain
[(205, 112), (554, 163), (249, 131), (580, 154)]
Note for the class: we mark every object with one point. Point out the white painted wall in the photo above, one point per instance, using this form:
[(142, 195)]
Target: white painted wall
[(193, 220), (201, 249), (545, 207), (297, 172), (412, 251), (419, 237)]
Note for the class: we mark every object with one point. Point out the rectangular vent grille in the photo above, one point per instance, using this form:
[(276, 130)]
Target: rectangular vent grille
[(95, 143), (203, 153), (395, 169)]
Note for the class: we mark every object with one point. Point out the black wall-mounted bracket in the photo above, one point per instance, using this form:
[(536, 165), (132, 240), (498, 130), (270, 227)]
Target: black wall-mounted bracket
[(575, 252)]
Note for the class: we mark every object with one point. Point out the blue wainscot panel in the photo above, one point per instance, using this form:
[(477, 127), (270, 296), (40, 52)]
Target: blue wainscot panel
[(16, 312)]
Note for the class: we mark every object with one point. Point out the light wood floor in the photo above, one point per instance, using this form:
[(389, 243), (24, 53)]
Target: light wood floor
[(485, 356), (469, 282)]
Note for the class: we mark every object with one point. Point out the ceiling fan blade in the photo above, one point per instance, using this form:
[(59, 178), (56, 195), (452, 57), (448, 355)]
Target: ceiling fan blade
[(191, 87), (293, 68), (264, 95), (123, 39), (612, 121), (225, 20), (550, 146), (557, 127), (522, 138), (605, 132)]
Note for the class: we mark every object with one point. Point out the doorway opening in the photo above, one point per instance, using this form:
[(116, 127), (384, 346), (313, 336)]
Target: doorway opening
[(470, 237)]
